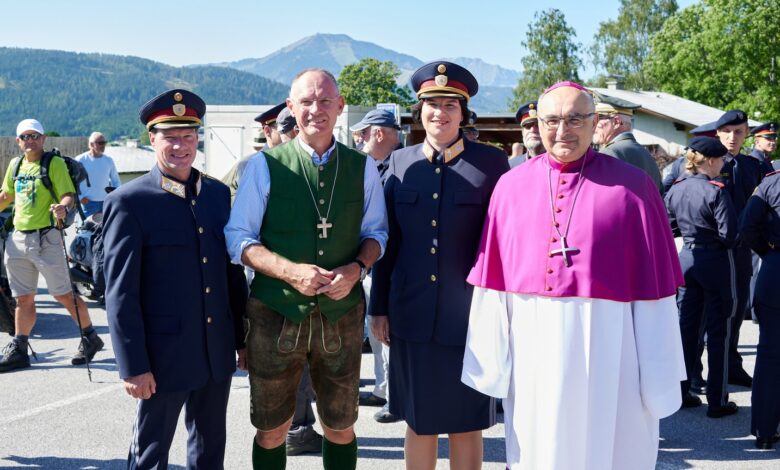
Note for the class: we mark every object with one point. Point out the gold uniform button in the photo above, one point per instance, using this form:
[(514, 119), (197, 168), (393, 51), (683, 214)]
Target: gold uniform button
[(200, 229), (321, 252), (205, 260), (433, 222), (322, 168), (433, 251), (312, 304), (208, 290), (436, 195), (438, 170), (209, 320), (192, 202), (433, 277)]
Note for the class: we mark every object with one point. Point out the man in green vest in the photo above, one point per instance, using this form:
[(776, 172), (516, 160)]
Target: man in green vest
[(309, 218)]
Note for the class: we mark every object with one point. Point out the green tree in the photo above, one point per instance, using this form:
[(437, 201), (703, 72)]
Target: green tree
[(723, 53), (553, 56), (621, 46), (369, 81)]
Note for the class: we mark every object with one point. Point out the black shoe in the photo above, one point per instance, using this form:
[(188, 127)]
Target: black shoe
[(728, 409), (307, 441), (369, 399), (14, 357), (741, 378), (384, 415), (690, 401), (698, 386), (88, 346), (767, 443)]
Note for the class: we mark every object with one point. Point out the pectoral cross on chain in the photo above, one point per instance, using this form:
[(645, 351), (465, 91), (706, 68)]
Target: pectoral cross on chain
[(324, 226), (564, 250)]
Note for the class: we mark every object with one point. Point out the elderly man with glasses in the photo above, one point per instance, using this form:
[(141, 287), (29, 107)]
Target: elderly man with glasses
[(103, 176), (573, 316)]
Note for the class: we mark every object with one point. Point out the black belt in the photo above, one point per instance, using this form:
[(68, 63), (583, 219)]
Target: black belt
[(704, 246), (36, 230)]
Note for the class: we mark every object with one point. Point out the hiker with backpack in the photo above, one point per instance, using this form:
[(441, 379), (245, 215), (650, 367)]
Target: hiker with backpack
[(41, 187)]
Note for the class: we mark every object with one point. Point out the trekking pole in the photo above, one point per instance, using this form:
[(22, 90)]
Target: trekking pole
[(58, 225)]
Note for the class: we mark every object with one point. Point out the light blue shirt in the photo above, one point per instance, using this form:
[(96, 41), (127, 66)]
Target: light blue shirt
[(102, 172), (246, 216)]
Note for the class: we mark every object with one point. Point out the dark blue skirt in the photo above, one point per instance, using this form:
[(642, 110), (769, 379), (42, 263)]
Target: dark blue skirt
[(426, 391)]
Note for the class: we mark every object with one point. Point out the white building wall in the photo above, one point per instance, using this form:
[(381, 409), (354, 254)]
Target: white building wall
[(650, 129)]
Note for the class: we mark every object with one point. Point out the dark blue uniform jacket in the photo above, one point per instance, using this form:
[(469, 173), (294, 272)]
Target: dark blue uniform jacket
[(174, 301), (701, 211), (435, 213), (760, 228)]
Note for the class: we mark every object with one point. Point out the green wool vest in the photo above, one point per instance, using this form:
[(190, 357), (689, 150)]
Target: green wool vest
[(290, 224)]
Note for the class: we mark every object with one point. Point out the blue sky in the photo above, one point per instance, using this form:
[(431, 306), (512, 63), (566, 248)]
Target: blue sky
[(198, 31)]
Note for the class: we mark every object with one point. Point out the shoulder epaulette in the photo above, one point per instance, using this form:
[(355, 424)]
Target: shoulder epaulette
[(679, 180), (718, 184), (772, 173)]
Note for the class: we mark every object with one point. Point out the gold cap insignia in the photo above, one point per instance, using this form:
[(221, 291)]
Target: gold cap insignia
[(532, 113), (179, 109), (441, 68), (178, 96), (440, 80)]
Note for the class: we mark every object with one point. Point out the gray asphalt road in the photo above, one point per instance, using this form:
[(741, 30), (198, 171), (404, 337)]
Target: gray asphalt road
[(52, 417)]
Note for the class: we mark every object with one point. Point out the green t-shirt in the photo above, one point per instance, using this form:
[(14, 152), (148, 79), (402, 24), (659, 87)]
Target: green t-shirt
[(31, 198)]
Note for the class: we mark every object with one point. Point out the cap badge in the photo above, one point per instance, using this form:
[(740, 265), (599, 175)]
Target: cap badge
[(531, 111), (440, 80), (441, 68), (179, 109), (177, 96)]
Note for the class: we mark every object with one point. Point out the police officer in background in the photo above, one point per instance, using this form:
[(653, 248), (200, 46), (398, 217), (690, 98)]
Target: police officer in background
[(764, 143), (741, 174), (174, 301), (529, 127), (701, 211), (760, 229)]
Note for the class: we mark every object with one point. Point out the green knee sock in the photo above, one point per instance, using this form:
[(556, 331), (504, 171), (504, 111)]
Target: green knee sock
[(268, 459), (339, 456)]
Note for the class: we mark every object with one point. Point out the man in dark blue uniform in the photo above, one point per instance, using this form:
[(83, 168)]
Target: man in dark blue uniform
[(741, 174), (529, 126), (174, 301), (765, 143)]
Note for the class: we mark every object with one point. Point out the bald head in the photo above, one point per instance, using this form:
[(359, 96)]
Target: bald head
[(567, 119), (316, 104)]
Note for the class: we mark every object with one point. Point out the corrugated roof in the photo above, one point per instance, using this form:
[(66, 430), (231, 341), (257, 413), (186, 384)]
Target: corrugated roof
[(670, 106)]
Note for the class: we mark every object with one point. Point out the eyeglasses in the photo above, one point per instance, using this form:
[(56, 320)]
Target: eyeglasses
[(26, 137), (574, 121), (530, 125), (99, 142), (323, 102)]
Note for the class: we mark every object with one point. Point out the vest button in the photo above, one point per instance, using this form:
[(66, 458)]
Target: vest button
[(322, 201), (322, 168), (321, 252), (322, 184), (312, 304)]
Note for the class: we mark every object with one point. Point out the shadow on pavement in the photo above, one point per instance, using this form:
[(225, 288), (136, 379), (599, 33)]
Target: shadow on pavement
[(59, 463)]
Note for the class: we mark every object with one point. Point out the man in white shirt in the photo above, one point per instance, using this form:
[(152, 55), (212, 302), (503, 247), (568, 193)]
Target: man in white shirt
[(102, 173)]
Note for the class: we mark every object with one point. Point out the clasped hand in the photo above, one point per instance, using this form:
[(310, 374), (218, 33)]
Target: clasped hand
[(311, 280)]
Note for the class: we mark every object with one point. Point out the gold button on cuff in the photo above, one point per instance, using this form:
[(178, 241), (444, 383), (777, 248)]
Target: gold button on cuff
[(433, 277), (205, 260)]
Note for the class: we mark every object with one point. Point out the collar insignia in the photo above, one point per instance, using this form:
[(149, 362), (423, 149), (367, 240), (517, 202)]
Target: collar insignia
[(449, 153)]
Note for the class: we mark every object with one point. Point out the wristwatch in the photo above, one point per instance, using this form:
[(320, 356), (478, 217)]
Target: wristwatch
[(363, 269)]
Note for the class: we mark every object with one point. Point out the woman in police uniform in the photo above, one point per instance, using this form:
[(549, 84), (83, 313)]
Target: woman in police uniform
[(760, 229), (437, 194), (701, 211)]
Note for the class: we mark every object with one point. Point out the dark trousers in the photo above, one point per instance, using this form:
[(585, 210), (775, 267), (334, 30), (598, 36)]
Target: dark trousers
[(707, 297), (744, 268), (204, 415), (765, 411), (304, 413)]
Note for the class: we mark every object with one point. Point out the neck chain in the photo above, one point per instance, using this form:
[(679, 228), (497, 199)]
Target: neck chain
[(564, 250), (323, 224)]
